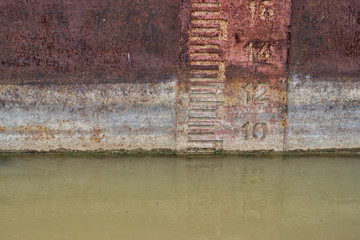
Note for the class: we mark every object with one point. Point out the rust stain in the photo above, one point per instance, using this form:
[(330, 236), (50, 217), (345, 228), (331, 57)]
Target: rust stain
[(97, 135), (284, 121), (32, 132)]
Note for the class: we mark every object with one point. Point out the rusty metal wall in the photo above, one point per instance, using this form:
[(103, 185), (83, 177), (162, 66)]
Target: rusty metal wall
[(324, 89), (88, 74), (184, 75), (88, 41), (233, 90)]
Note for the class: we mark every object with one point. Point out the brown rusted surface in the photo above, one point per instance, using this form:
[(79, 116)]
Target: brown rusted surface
[(257, 74), (256, 29), (234, 74), (88, 41), (326, 38)]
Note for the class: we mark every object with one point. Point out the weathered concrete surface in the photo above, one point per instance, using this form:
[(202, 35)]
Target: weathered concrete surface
[(323, 114), (189, 75), (88, 117)]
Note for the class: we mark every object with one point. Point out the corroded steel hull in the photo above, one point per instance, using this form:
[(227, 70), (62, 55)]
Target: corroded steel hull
[(187, 76)]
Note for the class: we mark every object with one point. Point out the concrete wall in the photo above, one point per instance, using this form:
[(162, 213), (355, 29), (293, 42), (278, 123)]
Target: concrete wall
[(203, 76)]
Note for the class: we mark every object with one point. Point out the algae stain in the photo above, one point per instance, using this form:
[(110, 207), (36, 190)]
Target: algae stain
[(253, 179)]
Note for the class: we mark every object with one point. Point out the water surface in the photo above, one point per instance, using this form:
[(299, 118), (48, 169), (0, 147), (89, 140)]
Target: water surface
[(54, 197)]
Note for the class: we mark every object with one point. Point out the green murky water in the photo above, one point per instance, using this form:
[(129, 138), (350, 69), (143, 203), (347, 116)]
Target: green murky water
[(135, 197)]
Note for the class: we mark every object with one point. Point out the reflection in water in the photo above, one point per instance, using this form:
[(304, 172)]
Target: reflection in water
[(168, 197)]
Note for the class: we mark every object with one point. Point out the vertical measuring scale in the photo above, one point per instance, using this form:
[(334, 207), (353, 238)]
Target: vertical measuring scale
[(232, 92), (207, 77), (202, 91)]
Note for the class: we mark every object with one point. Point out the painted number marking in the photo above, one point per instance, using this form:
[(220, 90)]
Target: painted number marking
[(257, 94), (266, 12), (255, 54), (258, 131)]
